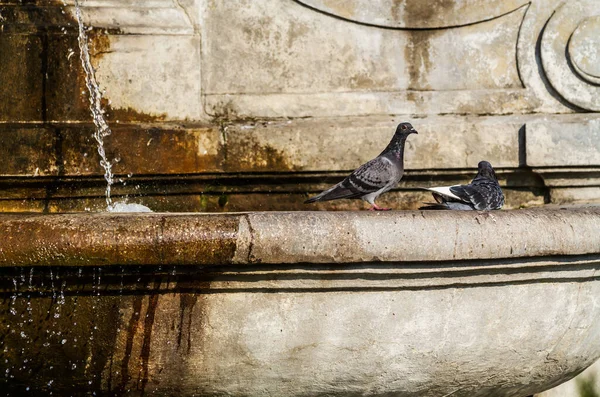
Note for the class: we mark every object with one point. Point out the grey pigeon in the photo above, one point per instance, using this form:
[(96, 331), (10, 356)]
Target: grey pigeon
[(482, 194), (375, 177)]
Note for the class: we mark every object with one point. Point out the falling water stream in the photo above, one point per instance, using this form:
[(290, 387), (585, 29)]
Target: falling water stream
[(102, 127), (59, 311)]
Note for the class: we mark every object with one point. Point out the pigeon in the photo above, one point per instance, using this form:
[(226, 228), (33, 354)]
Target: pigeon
[(482, 194), (374, 177)]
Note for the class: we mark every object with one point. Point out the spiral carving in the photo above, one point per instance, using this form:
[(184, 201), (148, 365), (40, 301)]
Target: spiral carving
[(570, 52)]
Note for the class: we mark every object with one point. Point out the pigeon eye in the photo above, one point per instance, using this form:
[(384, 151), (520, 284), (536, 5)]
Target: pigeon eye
[(403, 127)]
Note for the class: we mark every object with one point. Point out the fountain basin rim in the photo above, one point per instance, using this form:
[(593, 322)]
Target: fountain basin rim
[(100, 239)]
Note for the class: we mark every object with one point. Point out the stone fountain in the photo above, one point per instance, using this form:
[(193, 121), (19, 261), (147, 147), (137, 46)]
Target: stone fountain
[(300, 303), (248, 106)]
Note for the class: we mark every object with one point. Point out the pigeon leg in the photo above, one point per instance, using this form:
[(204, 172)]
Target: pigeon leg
[(375, 207)]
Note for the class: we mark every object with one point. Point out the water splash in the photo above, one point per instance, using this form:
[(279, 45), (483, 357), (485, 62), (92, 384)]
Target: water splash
[(102, 128), (128, 207), (13, 298)]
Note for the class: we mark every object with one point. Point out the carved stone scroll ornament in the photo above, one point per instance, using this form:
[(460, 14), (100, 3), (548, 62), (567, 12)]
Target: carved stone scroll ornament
[(570, 52), (415, 14)]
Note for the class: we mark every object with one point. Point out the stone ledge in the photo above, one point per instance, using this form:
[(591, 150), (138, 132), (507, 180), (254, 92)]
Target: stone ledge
[(295, 237), (147, 18)]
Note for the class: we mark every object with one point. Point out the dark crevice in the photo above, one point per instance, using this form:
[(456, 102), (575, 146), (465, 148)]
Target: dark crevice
[(250, 258), (201, 290), (523, 146), (517, 46), (198, 279)]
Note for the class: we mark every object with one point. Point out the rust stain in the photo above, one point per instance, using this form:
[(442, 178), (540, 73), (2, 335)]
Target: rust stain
[(99, 43), (186, 305), (418, 50), (247, 153), (428, 13), (146, 344), (129, 114), (40, 67), (417, 54), (345, 9), (131, 331)]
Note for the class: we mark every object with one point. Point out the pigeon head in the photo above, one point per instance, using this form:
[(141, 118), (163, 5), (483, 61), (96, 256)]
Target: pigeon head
[(405, 129), (396, 145), (485, 170)]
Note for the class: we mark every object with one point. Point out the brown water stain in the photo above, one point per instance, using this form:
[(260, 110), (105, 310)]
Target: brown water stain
[(417, 54), (186, 309), (421, 13), (146, 344), (131, 331), (345, 9), (247, 153), (40, 67)]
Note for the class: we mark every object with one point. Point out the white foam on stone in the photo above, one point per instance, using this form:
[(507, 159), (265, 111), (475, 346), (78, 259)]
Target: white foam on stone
[(128, 207)]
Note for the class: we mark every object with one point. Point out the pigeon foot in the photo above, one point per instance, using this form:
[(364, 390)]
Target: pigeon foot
[(375, 207)]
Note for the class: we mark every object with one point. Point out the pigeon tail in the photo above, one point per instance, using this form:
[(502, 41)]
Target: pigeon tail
[(336, 192), (433, 206), (449, 205)]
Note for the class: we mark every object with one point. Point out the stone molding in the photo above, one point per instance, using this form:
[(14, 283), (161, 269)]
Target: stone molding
[(295, 237)]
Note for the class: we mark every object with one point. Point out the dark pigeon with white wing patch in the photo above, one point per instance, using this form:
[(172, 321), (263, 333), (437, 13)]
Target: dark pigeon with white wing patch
[(375, 177), (482, 194)]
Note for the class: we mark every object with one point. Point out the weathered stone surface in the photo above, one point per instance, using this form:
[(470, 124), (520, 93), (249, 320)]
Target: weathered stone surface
[(206, 197), (27, 151), (207, 61), (148, 17), (573, 387), (570, 142), (162, 61), (65, 92), (346, 143), (575, 195), (158, 78), (203, 241), (168, 151), (272, 146), (293, 237), (385, 324), (191, 342), (315, 62), (557, 62), (21, 88)]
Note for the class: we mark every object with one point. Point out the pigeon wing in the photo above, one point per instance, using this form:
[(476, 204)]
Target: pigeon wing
[(370, 177), (373, 176), (338, 191), (482, 196)]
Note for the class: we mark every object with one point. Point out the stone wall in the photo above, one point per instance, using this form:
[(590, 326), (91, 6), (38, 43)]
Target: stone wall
[(249, 105)]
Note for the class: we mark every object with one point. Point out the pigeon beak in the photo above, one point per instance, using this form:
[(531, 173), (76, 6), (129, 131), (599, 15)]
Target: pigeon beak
[(413, 131)]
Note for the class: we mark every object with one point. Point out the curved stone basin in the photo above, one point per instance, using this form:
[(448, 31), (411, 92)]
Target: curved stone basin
[(307, 303)]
